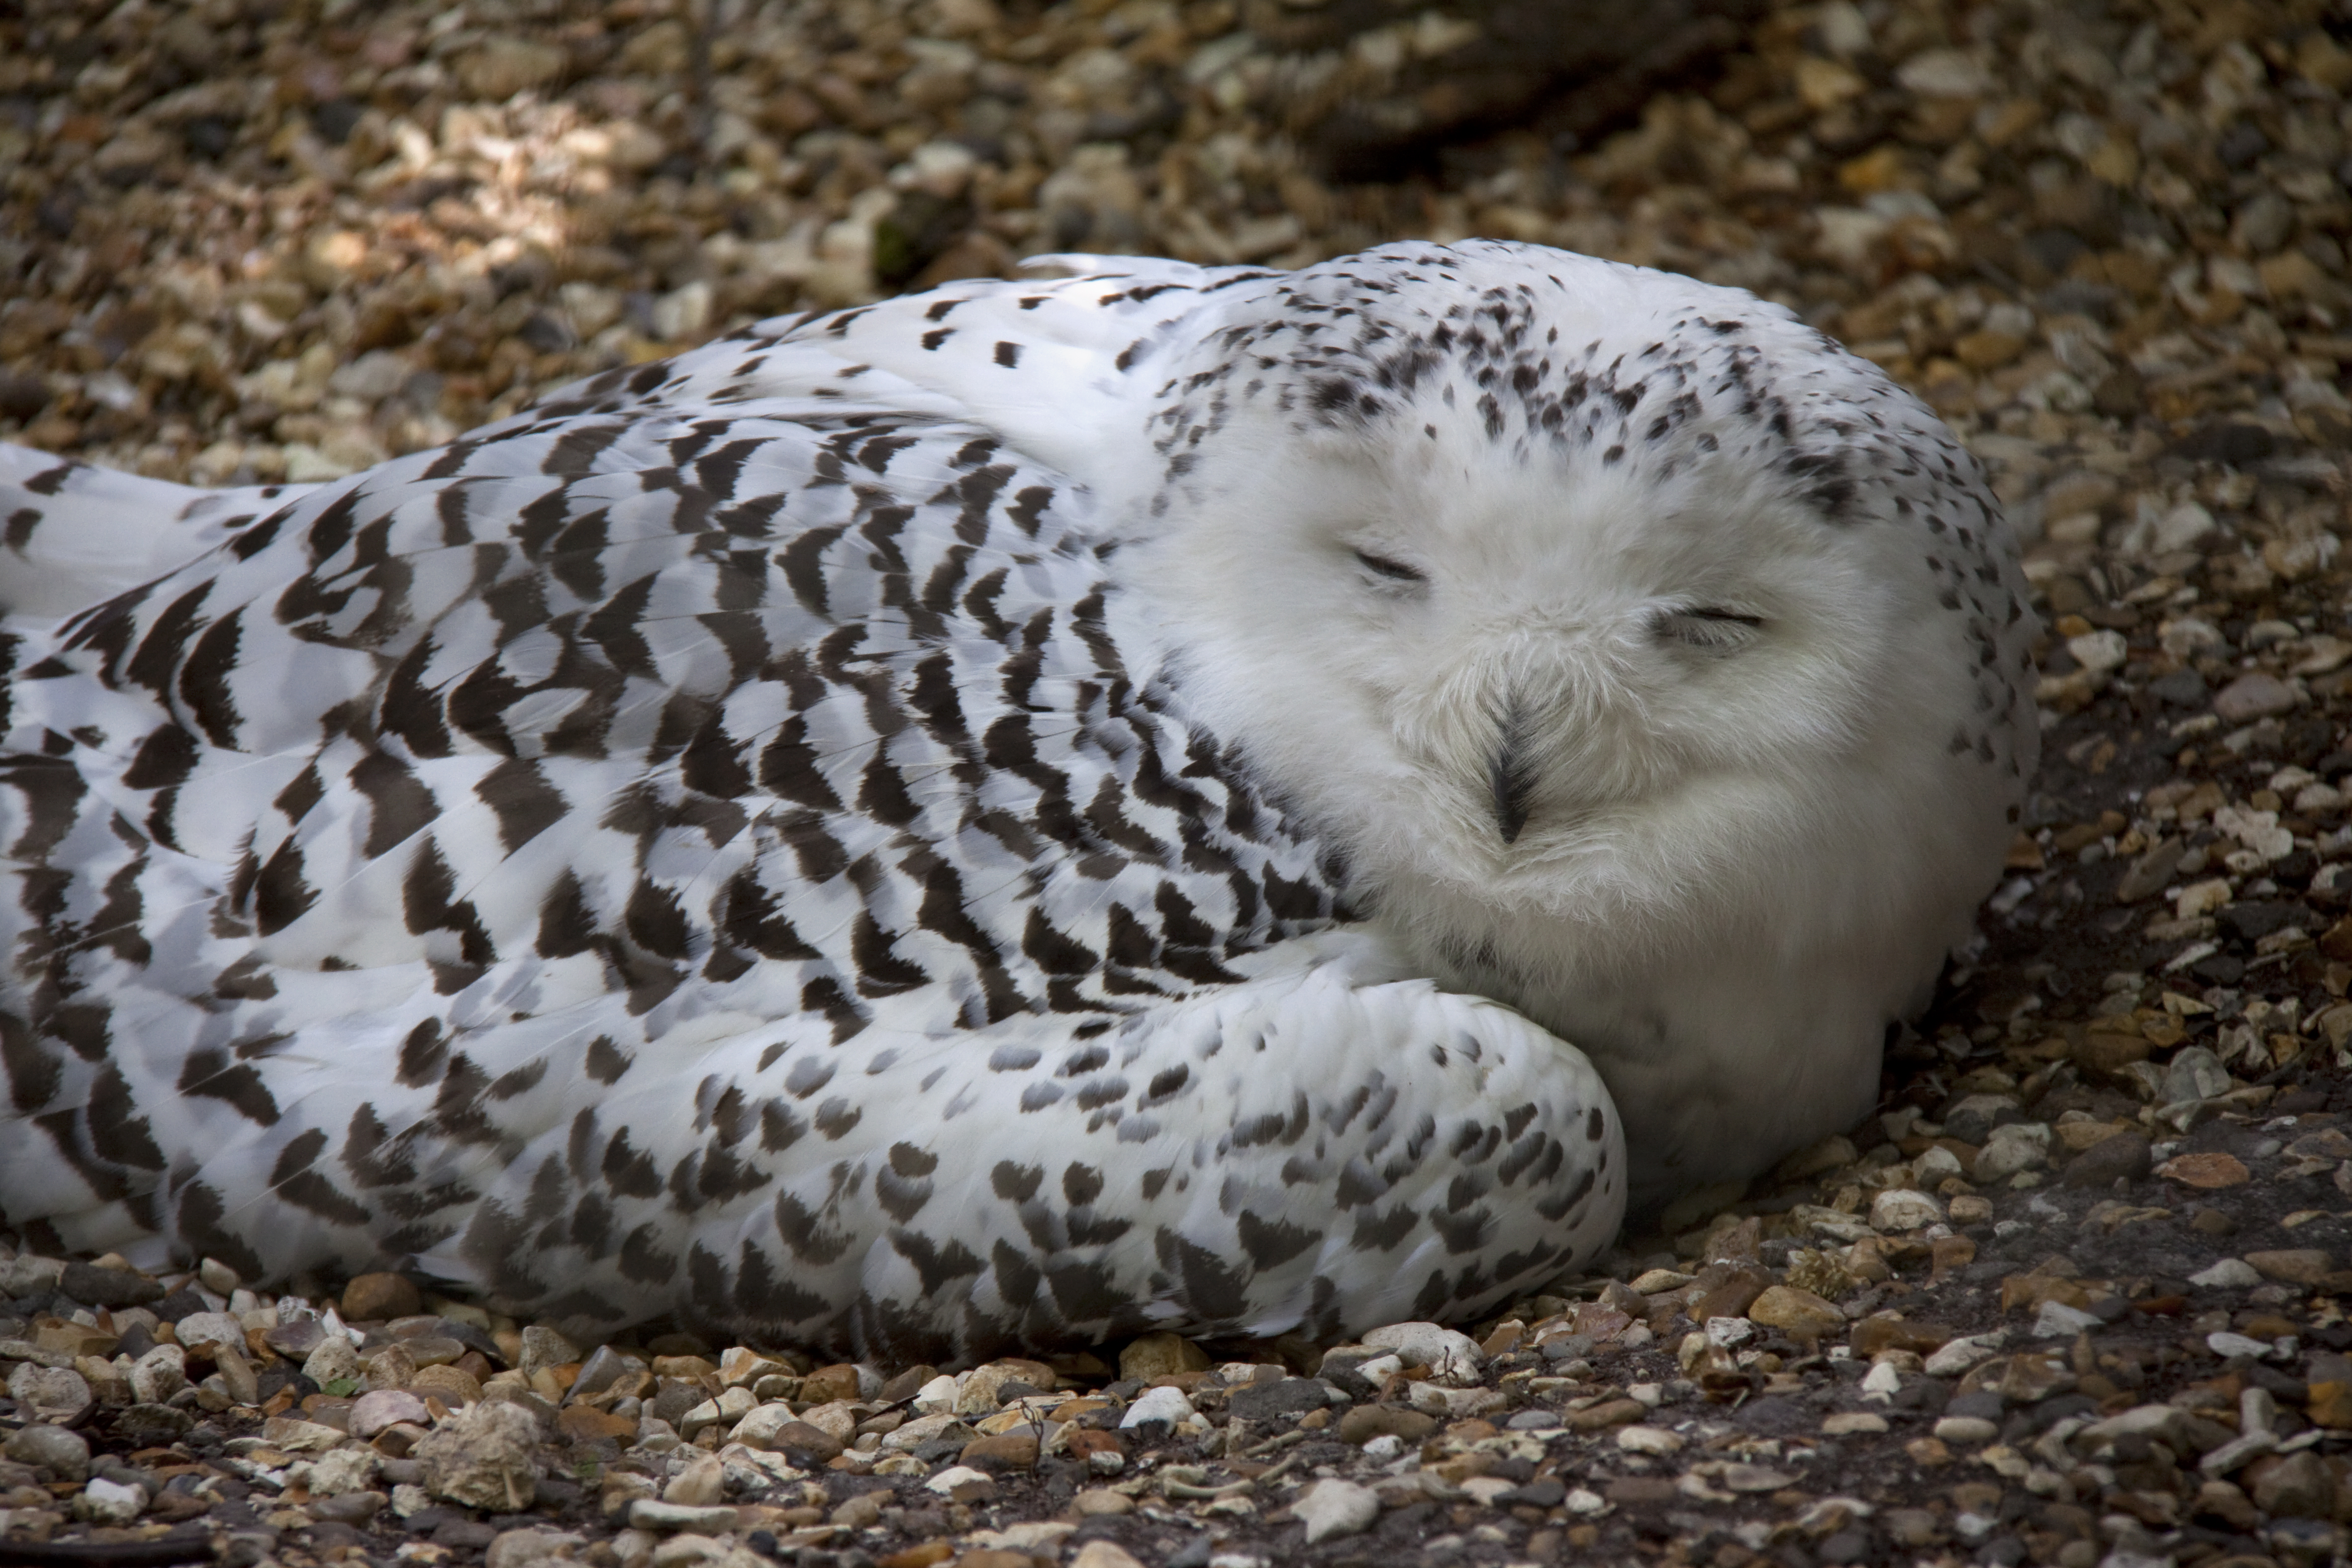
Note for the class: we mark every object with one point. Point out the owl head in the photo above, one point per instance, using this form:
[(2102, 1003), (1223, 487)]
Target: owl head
[(1656, 665)]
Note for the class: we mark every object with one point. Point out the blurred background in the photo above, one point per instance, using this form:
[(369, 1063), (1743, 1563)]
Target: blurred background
[(286, 239)]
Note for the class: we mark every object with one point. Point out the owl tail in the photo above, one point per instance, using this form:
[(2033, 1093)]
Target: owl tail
[(72, 535)]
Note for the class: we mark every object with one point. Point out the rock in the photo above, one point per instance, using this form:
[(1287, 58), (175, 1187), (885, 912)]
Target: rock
[(1455, 1404), (1899, 1208), (379, 1297), (839, 1421), (2056, 1320), (1100, 1554), (2207, 1172), (1332, 1507), (105, 1502), (154, 1426), (1162, 1355), (758, 1430), (2194, 1073), (521, 1547), (702, 1484), (1653, 1440), (1853, 1424), (831, 1384), (798, 1441), (2253, 695), (2020, 1146), (503, 64), (1872, 1335), (484, 1458), (1970, 1429), (2124, 1155), (296, 1436), (1451, 1357), (1103, 1453), (296, 1340), (336, 1360), (1164, 1405), (344, 1470), (54, 1394), (1366, 1421), (1006, 1451), (542, 1348), (66, 1454), (2292, 1486), (449, 1384), (2330, 1403), (2295, 1265), (962, 1483), (353, 1509), (159, 1375), (1609, 1413), (647, 1513), (2105, 1053), (2149, 873), (606, 1366), (1956, 1356), (96, 1286), (1287, 1396), (586, 1423)]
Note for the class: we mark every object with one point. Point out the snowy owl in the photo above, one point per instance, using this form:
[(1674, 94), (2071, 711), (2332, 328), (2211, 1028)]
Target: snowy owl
[(1207, 798)]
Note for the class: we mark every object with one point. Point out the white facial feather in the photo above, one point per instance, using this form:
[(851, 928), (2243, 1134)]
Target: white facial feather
[(1668, 736)]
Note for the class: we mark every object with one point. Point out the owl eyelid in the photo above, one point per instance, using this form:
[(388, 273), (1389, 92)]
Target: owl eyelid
[(1707, 627), (1396, 571)]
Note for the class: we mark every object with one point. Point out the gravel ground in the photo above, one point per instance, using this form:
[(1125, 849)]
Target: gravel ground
[(2073, 1298)]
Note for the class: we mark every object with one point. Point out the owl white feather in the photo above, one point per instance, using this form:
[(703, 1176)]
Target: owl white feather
[(1213, 798)]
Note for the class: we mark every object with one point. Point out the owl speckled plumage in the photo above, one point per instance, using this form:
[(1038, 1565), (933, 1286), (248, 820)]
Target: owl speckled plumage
[(1019, 813)]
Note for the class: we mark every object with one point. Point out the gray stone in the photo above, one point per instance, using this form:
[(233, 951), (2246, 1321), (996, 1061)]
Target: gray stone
[(2194, 1073), (2126, 1156), (96, 1286), (64, 1454), (159, 1375), (647, 1514), (336, 1360), (1332, 1507), (2254, 696), (1266, 1400), (198, 1332), (484, 1458), (49, 1392), (543, 1347)]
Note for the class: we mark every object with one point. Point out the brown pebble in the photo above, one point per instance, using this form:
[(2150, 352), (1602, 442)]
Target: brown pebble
[(2125, 1155), (906, 1384), (2292, 1486), (1872, 1335), (373, 1298), (805, 1444), (2212, 1222), (2295, 1265), (1366, 1421), (1006, 1451), (1610, 1413), (922, 1556), (827, 1383), (1086, 1444), (586, 1423)]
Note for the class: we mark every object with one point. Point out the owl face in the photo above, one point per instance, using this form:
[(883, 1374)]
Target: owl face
[(1608, 632)]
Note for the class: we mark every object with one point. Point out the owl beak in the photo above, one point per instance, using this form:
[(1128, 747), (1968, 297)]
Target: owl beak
[(1511, 778)]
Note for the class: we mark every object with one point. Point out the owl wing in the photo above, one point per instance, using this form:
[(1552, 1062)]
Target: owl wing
[(725, 716)]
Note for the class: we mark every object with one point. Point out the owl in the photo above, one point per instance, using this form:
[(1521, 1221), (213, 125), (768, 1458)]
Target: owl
[(1205, 798)]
